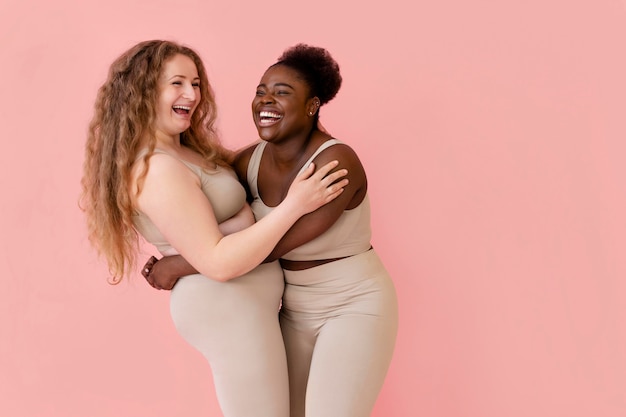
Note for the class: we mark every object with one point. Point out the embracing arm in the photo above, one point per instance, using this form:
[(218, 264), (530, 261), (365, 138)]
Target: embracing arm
[(163, 274), (311, 225), (171, 197)]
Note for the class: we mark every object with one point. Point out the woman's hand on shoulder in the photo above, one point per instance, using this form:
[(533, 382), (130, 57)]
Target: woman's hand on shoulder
[(348, 160), (313, 188), (317, 222)]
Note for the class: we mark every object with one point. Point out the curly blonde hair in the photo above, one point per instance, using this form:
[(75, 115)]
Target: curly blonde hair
[(123, 121)]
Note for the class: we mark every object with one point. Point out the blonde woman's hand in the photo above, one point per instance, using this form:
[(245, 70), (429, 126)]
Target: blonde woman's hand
[(311, 190)]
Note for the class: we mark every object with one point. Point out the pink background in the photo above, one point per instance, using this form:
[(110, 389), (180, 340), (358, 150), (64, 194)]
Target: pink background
[(493, 135)]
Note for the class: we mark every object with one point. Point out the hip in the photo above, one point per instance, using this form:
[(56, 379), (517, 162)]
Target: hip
[(357, 284)]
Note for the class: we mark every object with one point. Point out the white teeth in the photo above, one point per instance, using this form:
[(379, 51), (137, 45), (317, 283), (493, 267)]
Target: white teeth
[(183, 107), (270, 114)]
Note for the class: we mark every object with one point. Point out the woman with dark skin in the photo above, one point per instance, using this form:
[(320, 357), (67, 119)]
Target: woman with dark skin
[(339, 313), (154, 167)]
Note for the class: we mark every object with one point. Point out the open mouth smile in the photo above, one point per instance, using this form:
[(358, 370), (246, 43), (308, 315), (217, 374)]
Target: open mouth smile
[(185, 110), (267, 118)]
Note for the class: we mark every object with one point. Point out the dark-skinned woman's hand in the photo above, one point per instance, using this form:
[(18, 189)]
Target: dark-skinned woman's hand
[(164, 273)]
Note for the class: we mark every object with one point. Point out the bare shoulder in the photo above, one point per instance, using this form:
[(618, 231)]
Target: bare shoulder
[(343, 153), (162, 169), (349, 160), (164, 164), (341, 149)]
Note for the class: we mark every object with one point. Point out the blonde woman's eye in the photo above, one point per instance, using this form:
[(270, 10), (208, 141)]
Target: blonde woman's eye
[(197, 85)]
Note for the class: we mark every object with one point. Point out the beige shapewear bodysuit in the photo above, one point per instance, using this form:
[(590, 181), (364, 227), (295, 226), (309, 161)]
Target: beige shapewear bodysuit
[(233, 324), (339, 320)]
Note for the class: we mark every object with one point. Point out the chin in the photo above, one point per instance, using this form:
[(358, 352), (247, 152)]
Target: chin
[(263, 134)]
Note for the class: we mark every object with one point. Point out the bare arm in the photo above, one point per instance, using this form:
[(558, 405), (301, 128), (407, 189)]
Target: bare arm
[(311, 225), (172, 199), (163, 274)]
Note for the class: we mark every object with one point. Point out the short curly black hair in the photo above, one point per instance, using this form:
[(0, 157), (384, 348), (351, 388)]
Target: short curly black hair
[(317, 67)]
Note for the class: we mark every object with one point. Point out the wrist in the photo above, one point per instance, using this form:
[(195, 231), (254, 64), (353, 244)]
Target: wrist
[(290, 209), (180, 267)]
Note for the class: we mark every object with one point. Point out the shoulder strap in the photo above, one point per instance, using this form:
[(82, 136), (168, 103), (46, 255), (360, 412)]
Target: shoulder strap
[(252, 173), (194, 168), (323, 146)]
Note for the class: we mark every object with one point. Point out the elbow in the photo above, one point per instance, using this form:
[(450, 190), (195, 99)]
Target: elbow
[(222, 267), (220, 274), (222, 277)]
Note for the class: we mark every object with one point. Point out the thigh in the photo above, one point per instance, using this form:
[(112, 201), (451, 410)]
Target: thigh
[(355, 343), (351, 357), (299, 337), (235, 327)]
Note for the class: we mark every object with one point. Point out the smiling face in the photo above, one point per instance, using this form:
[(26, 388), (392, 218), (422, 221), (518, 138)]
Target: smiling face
[(179, 95), (282, 106)]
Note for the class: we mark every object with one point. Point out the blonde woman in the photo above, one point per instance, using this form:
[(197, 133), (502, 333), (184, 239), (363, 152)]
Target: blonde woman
[(153, 165)]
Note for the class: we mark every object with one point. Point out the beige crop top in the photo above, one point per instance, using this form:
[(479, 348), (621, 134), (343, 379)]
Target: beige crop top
[(349, 235), (221, 187)]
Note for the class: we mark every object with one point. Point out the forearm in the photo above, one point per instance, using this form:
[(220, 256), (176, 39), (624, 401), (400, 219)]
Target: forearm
[(186, 218), (177, 266), (240, 252)]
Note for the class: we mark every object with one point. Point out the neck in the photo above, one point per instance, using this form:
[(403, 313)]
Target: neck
[(167, 141), (290, 151)]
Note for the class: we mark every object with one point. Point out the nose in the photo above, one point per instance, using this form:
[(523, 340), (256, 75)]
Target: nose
[(189, 92), (267, 99)]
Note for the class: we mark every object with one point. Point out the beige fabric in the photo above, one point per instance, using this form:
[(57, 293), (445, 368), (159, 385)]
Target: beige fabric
[(221, 187), (339, 320), (339, 323), (350, 234), (233, 324)]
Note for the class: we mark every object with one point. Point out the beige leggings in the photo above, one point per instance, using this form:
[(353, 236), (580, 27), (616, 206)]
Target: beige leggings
[(235, 326), (339, 323)]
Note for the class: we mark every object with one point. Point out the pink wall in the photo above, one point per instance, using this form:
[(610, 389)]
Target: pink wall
[(493, 135)]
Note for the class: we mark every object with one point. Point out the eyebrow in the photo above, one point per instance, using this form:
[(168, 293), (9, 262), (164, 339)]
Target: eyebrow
[(276, 85), (182, 76)]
